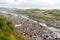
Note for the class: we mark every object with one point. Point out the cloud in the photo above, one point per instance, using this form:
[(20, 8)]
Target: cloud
[(30, 3)]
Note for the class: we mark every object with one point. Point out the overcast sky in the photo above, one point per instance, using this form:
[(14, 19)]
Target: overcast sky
[(30, 3)]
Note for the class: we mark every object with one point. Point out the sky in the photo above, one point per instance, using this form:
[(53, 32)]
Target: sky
[(30, 4)]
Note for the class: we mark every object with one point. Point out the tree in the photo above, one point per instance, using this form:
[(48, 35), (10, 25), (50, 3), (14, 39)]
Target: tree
[(8, 30)]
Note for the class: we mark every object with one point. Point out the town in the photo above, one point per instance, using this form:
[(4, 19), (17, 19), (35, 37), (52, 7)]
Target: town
[(35, 30)]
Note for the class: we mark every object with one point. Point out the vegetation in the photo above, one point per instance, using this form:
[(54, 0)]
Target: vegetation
[(8, 30)]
